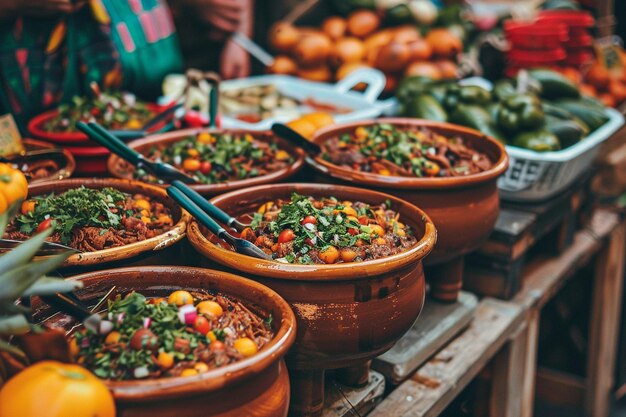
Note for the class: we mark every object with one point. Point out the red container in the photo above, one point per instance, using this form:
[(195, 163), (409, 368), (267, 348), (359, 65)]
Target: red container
[(579, 57), (90, 160), (35, 127), (534, 35), (580, 41), (573, 19), (529, 58)]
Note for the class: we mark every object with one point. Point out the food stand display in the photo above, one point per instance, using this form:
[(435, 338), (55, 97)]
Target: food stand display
[(375, 227)]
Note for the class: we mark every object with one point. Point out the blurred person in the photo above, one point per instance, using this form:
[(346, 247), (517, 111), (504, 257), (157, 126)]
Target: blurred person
[(52, 50), (205, 28)]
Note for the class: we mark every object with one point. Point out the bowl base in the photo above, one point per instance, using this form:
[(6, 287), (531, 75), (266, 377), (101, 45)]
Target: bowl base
[(446, 280)]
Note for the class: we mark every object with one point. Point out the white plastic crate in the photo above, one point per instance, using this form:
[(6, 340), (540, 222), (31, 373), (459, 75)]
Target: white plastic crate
[(536, 176)]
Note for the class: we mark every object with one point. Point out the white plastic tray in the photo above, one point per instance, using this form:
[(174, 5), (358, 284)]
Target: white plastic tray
[(363, 104)]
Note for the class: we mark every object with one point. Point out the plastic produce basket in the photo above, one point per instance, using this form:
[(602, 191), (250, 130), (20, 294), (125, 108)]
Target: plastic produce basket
[(534, 176), (537, 176)]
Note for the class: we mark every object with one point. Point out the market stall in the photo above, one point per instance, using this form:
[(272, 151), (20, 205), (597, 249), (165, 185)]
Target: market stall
[(408, 209)]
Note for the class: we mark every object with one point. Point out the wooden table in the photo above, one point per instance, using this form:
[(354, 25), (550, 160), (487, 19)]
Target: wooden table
[(503, 337)]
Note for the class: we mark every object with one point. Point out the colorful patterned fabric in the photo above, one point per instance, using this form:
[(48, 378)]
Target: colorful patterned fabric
[(127, 44)]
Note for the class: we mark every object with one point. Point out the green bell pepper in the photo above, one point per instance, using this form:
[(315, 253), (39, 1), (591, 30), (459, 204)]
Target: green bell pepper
[(540, 140), (520, 112), (466, 94)]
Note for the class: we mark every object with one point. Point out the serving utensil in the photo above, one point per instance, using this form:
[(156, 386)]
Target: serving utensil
[(161, 170), (47, 248), (287, 133), (34, 154), (131, 134), (70, 304), (241, 245), (211, 209)]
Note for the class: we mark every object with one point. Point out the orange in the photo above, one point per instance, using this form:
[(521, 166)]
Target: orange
[(303, 127), (319, 119), (362, 23), (51, 389)]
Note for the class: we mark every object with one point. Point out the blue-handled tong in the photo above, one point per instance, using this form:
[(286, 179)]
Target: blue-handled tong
[(160, 170), (182, 198)]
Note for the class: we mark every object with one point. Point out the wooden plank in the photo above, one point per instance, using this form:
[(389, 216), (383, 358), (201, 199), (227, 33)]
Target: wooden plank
[(440, 380), (531, 341), (560, 389), (546, 275), (343, 401), (507, 377), (438, 323), (605, 319)]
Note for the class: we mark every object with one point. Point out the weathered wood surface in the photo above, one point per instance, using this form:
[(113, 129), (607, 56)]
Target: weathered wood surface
[(436, 383), (343, 401), (605, 319), (514, 326), (437, 325), (497, 268)]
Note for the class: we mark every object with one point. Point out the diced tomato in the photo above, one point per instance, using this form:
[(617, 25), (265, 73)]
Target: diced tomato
[(202, 325), (286, 235), (309, 219), (205, 167), (44, 225)]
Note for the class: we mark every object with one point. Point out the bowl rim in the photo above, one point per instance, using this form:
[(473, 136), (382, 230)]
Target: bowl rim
[(70, 166), (217, 378), (35, 128), (500, 165), (222, 187), (335, 272), (162, 241)]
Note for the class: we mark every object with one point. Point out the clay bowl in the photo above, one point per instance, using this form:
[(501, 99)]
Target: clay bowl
[(257, 386), (347, 313), (464, 209), (121, 169), (123, 254), (66, 168)]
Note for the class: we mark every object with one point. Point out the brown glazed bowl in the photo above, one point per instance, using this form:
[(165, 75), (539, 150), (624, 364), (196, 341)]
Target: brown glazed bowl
[(124, 253), (347, 313), (122, 169), (66, 167), (257, 386), (464, 209)]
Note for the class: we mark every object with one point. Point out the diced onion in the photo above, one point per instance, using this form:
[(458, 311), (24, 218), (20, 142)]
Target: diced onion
[(105, 327), (141, 372)]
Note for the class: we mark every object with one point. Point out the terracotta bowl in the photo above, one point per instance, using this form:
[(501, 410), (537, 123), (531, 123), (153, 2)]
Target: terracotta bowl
[(464, 209), (65, 170), (121, 169), (124, 253), (347, 313), (257, 386)]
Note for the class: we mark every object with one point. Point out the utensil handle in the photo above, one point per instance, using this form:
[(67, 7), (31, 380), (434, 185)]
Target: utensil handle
[(128, 134), (94, 131), (204, 204), (67, 305), (285, 132), (200, 215)]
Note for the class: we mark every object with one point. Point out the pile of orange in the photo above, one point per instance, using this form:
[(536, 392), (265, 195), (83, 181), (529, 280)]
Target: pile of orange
[(342, 45), (606, 84)]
